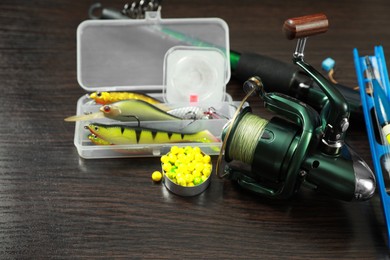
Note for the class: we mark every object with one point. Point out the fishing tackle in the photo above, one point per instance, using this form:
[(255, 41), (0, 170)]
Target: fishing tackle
[(277, 76), (104, 97), (299, 146), (134, 10), (140, 110), (190, 113), (127, 110), (138, 8), (196, 113), (374, 88), (123, 135), (212, 113), (97, 140)]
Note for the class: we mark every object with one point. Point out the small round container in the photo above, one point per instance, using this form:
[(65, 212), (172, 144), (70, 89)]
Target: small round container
[(186, 190)]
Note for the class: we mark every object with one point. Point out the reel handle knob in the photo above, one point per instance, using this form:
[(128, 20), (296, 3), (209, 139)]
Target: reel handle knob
[(304, 26)]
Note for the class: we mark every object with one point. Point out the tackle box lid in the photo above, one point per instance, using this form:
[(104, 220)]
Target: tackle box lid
[(155, 54)]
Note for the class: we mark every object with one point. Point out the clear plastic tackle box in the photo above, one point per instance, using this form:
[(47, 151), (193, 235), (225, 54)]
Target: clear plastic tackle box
[(181, 62)]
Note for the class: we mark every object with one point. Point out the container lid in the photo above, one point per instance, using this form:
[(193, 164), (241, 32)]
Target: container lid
[(130, 53), (194, 74)]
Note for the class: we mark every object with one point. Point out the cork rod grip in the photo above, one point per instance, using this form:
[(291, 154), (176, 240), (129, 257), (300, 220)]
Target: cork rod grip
[(304, 26)]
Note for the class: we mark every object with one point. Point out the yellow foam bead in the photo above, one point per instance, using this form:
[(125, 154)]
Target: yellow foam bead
[(188, 149), (181, 156), (198, 157), (167, 167), (196, 150), (181, 181), (178, 163), (206, 172), (199, 166), (172, 176), (156, 176), (197, 180), (189, 178), (206, 158), (191, 167), (197, 173), (207, 166), (179, 175), (164, 159), (190, 157), (180, 150), (174, 149), (183, 167), (172, 158), (186, 160)]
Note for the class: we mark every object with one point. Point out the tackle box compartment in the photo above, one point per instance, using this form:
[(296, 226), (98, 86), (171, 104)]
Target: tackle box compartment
[(182, 62)]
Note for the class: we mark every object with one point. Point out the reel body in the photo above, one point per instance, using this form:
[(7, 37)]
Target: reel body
[(287, 156), (298, 146)]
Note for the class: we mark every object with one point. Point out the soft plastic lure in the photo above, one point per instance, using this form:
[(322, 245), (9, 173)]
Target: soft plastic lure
[(119, 134), (105, 98), (97, 140), (127, 110)]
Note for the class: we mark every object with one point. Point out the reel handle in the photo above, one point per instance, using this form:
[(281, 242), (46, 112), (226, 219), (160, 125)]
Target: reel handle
[(335, 115), (305, 26)]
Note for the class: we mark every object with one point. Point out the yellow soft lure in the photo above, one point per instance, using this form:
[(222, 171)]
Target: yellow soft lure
[(118, 134), (104, 98)]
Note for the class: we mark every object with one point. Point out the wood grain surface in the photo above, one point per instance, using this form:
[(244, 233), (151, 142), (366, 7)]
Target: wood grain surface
[(53, 204)]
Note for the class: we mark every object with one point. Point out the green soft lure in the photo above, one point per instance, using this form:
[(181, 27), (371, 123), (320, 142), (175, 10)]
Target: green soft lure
[(119, 135), (127, 110)]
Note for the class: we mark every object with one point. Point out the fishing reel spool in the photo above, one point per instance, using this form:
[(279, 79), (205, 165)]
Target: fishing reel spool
[(298, 146)]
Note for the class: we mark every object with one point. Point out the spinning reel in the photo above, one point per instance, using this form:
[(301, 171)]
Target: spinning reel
[(298, 146)]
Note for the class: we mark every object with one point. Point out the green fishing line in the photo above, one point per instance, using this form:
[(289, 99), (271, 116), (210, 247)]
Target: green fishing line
[(245, 137)]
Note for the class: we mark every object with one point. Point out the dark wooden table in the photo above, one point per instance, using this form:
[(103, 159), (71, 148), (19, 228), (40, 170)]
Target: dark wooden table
[(54, 204)]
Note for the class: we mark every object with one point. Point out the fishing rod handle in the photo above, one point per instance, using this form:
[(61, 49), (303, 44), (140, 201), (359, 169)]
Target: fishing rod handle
[(304, 26)]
